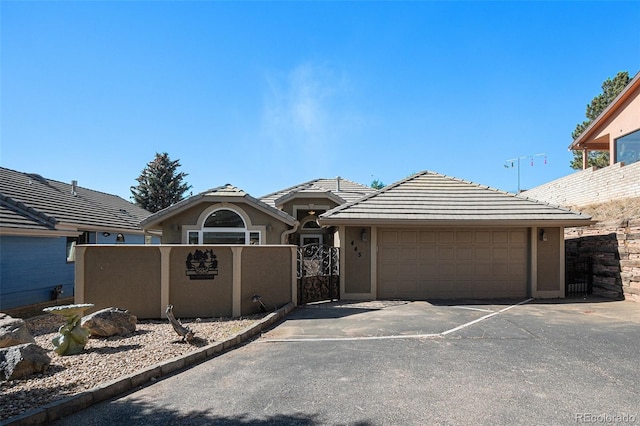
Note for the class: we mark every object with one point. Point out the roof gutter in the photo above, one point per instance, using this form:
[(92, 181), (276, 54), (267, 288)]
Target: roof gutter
[(458, 223), (285, 235)]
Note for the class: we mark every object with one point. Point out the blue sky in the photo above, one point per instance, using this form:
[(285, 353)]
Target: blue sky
[(264, 95)]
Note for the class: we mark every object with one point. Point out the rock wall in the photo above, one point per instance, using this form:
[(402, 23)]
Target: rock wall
[(615, 251)]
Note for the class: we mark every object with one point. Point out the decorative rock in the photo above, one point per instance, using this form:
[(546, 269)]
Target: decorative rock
[(22, 361), (109, 322), (13, 331)]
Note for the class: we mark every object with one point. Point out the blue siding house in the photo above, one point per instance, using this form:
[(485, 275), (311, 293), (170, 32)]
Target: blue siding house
[(42, 221)]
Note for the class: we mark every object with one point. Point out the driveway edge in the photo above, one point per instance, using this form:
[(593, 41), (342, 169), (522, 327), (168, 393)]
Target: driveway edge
[(66, 406)]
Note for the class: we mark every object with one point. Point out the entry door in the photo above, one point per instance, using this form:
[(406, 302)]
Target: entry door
[(310, 239)]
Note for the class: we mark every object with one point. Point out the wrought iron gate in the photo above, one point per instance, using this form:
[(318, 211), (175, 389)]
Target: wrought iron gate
[(578, 276), (318, 273)]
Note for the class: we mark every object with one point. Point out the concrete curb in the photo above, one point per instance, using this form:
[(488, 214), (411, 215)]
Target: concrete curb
[(64, 407)]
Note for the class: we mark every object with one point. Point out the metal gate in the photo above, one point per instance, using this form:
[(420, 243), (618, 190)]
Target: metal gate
[(578, 276), (318, 273)]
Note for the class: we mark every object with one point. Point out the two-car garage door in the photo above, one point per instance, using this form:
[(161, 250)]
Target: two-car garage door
[(433, 263)]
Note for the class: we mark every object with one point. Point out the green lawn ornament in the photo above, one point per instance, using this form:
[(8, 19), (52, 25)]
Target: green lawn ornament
[(71, 336)]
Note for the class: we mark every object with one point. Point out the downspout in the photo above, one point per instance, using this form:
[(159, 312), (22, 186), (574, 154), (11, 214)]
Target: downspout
[(285, 235)]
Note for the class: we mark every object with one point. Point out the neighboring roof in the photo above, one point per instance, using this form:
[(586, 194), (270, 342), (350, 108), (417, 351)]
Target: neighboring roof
[(45, 202), (344, 189), (428, 198), (586, 136), (12, 216), (225, 193)]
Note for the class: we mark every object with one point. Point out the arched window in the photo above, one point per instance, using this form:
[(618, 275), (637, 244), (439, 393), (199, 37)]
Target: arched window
[(310, 224), (224, 226)]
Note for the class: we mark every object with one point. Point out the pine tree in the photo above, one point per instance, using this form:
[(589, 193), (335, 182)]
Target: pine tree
[(610, 89), (159, 185), (377, 184)]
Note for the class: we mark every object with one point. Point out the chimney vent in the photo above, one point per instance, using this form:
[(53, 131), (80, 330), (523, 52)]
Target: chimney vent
[(74, 187), (337, 183)]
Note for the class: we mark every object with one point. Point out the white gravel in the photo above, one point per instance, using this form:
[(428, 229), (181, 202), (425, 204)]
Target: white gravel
[(105, 359)]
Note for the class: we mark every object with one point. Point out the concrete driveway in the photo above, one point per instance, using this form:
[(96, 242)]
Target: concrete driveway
[(410, 363)]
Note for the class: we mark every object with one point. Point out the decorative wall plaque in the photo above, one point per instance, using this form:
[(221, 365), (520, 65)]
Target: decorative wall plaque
[(202, 265)]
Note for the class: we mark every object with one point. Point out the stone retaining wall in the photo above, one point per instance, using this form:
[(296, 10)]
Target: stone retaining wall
[(615, 250), (591, 186)]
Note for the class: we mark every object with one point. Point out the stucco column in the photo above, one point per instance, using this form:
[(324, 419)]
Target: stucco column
[(585, 159), (236, 291), (165, 278), (294, 275), (562, 265), (343, 269), (534, 261), (78, 290), (374, 262)]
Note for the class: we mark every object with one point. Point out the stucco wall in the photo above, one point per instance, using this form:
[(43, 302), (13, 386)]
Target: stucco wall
[(144, 279), (548, 278), (126, 277), (590, 186), (263, 273), (357, 258), (201, 298)]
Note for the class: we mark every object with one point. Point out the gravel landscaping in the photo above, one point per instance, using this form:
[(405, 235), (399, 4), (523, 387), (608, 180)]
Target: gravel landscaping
[(105, 359)]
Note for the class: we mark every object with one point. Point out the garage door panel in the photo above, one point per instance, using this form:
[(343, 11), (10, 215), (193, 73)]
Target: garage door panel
[(427, 236), (481, 253), (519, 236), (500, 236), (452, 263), (464, 236), (427, 254), (409, 254), (500, 253), (464, 253), (389, 237), (481, 237), (446, 253), (446, 236), (408, 236), (517, 254)]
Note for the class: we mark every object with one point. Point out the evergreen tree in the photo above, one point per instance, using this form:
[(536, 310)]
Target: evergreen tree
[(159, 185), (610, 89), (377, 184)]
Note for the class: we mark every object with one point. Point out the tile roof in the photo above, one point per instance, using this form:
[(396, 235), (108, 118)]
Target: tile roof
[(15, 218), (222, 193), (349, 191), (431, 198), (33, 196)]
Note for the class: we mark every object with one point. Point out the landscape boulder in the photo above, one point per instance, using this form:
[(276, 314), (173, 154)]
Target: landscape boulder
[(22, 361), (13, 331), (110, 322)]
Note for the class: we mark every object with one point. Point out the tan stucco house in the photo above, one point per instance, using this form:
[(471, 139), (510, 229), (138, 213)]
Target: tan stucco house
[(616, 130), (228, 215), (431, 236), (428, 236)]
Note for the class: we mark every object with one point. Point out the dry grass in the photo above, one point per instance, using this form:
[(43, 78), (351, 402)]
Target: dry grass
[(612, 211)]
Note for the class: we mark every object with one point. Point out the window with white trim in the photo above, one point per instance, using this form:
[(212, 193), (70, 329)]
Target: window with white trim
[(224, 226)]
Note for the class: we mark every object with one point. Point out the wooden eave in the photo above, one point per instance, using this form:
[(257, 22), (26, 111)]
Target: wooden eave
[(585, 141)]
